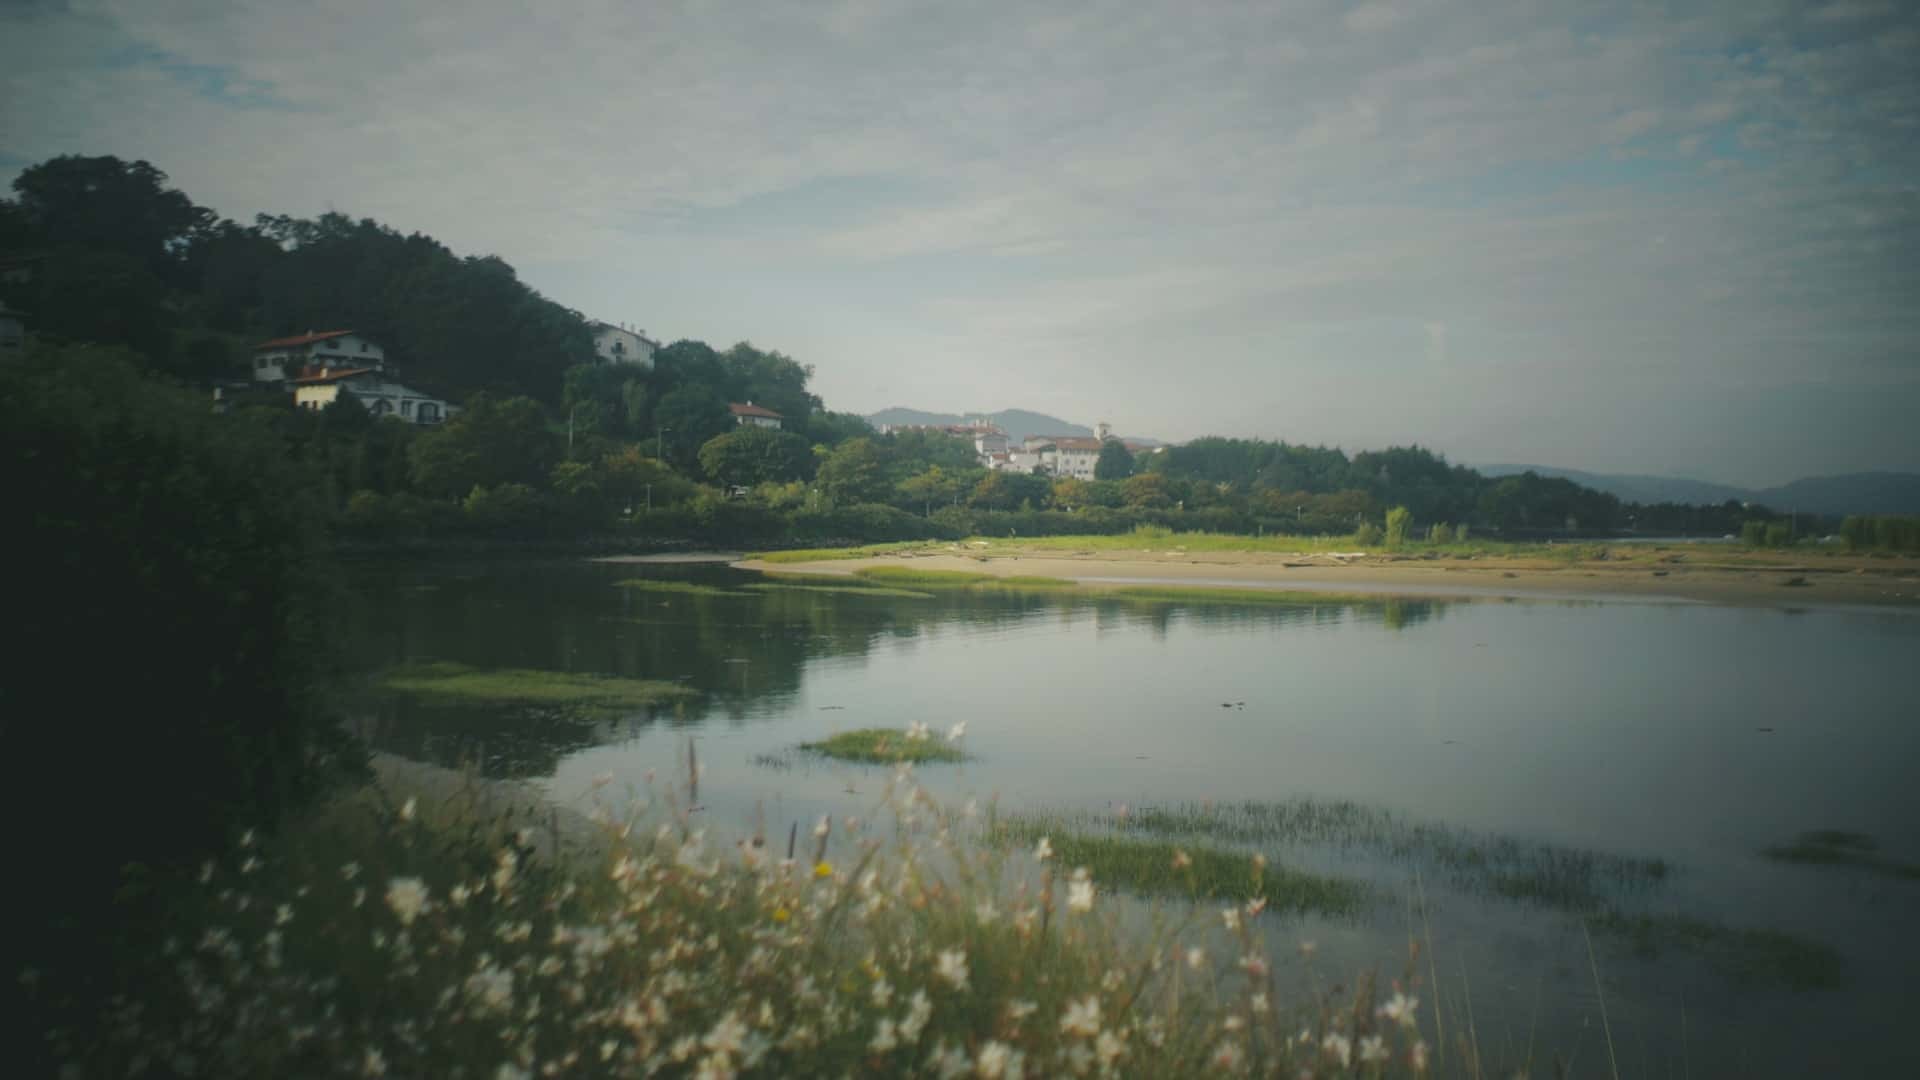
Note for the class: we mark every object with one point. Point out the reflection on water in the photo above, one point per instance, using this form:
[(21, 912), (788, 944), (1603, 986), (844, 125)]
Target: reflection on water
[(1597, 740)]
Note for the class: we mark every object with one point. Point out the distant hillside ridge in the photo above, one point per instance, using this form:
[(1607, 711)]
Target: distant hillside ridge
[(1849, 493), (1017, 423)]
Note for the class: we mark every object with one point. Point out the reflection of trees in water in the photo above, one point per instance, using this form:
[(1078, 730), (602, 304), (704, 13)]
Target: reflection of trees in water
[(746, 651)]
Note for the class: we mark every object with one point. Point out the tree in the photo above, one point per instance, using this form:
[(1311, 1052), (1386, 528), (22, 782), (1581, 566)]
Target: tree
[(1114, 463), (686, 418), (1148, 491), (105, 204), (924, 489), (486, 444), (853, 473), (1001, 490), (755, 455)]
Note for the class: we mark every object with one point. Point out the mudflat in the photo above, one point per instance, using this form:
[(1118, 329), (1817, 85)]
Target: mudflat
[(1701, 574)]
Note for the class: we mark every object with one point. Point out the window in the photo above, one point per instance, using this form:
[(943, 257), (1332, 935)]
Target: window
[(382, 407), (406, 408), (363, 346), (429, 413)]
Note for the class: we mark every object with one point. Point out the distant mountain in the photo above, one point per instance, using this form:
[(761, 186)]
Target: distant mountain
[(1852, 493), (1017, 423), (1634, 488)]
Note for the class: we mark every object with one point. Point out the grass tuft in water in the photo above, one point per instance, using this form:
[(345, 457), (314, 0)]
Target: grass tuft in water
[(680, 588), (886, 746), (1746, 955), (1154, 868), (1835, 847), (524, 686)]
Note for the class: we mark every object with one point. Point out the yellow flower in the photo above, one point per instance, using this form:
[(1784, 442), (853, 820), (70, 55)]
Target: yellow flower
[(822, 869), (781, 914)]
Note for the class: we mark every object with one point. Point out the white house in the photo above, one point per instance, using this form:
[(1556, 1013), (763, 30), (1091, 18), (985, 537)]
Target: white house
[(327, 350), (619, 345), (1066, 455), (376, 393), (749, 414)]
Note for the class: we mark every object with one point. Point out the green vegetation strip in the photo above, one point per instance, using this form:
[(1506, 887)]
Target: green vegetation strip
[(1188, 594), (1832, 847), (679, 588), (884, 746), (842, 590), (866, 551), (522, 686), (1150, 867), (956, 579)]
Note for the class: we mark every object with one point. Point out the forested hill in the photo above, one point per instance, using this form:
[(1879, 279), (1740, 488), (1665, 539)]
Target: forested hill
[(1017, 423), (110, 254)]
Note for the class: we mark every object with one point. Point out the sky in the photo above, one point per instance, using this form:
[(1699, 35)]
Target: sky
[(1671, 238)]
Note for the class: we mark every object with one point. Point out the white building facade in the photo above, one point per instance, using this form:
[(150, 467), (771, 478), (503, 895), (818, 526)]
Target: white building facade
[(283, 359), (615, 344), (375, 393)]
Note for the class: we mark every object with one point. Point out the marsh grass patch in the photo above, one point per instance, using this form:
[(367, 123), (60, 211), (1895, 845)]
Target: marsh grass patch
[(451, 682), (677, 588), (875, 591), (885, 746), (911, 577), (1741, 953), (1835, 847)]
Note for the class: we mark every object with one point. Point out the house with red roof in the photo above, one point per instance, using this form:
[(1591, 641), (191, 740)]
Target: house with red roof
[(316, 351), (747, 414)]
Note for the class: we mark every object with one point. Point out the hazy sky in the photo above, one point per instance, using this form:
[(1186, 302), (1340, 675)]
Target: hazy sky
[(1654, 237)]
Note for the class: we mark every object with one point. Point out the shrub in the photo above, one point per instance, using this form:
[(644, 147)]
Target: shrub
[(174, 553), (1460, 533), (1367, 535), (1754, 534), (1439, 533), (1399, 521), (1779, 535)]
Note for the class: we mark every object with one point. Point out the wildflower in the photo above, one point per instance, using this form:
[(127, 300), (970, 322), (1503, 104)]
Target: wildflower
[(1024, 919), (491, 989), (249, 865), (459, 894), (283, 915), (1231, 917), (882, 993), (407, 897), (1196, 958), (1233, 1023), (407, 809), (919, 1011), (985, 912), (726, 1036), (997, 1060), (206, 871), (504, 865), (1338, 1047), (952, 966), (246, 838), (1108, 1048), (603, 780), (359, 897), (971, 810), (957, 731), (1373, 1050), (1043, 850), (374, 1063), (1080, 896), (1082, 1018), (1254, 964), (781, 914), (1181, 860), (822, 869), (350, 871), (884, 1038), (1255, 906), (1400, 1009), (1308, 948), (1258, 1003), (1417, 1057), (1228, 1055), (917, 731), (823, 826), (1019, 1009), (509, 1071)]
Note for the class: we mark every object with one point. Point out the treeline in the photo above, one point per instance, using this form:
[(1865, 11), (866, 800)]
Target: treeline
[(1881, 532)]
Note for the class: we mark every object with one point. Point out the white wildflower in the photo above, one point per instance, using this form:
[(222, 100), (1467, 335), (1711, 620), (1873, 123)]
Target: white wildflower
[(1231, 917), (917, 731), (726, 1036), (491, 989), (1258, 1003), (1254, 964), (407, 809), (1043, 850), (952, 966), (1082, 1017), (283, 915), (603, 779), (1255, 906), (1080, 896), (459, 894), (1019, 1009), (350, 871), (509, 1071), (1400, 1009), (1373, 1050), (1338, 1047), (1196, 958), (884, 1038), (1108, 1048), (1228, 1055), (957, 732), (374, 1063), (997, 1061), (985, 912), (882, 993), (949, 1063), (919, 1011), (407, 897), (1417, 1057)]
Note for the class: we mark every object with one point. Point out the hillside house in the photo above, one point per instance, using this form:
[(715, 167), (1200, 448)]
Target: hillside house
[(1066, 455), (374, 391), (287, 358), (747, 414), (616, 344)]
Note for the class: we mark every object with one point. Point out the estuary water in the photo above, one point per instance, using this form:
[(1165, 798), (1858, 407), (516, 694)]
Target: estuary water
[(1542, 774)]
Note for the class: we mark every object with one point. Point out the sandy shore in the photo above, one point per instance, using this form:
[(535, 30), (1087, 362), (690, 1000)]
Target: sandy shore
[(1642, 577)]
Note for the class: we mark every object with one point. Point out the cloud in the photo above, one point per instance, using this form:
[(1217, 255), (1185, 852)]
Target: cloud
[(1224, 203)]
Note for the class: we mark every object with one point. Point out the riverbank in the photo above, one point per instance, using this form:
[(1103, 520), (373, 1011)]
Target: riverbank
[(1689, 574)]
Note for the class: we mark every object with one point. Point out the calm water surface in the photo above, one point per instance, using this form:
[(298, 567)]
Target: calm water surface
[(1692, 734)]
